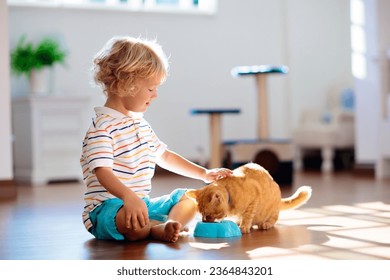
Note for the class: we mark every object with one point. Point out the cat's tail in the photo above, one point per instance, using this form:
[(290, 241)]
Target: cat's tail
[(300, 197)]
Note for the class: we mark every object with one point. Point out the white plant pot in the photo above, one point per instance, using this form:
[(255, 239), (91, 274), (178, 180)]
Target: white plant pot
[(40, 81)]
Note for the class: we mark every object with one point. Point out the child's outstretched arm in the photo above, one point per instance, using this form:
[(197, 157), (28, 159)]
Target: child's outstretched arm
[(136, 212), (176, 163)]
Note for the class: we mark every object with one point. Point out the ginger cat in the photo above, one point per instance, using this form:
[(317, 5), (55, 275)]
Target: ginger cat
[(250, 194)]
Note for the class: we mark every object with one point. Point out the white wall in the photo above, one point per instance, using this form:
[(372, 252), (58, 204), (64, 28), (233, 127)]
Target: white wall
[(6, 172), (318, 40), (311, 37)]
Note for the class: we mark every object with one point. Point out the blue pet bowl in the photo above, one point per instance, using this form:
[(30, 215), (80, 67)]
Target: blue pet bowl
[(222, 229)]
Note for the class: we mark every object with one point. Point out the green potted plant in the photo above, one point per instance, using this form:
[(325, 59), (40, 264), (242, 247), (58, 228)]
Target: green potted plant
[(34, 61)]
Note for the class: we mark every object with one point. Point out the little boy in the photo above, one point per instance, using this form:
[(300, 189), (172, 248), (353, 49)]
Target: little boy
[(120, 150)]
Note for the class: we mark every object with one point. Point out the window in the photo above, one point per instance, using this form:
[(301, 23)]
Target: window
[(358, 39), (178, 6)]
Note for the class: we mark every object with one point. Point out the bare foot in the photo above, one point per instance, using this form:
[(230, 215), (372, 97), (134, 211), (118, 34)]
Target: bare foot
[(168, 231), (185, 228)]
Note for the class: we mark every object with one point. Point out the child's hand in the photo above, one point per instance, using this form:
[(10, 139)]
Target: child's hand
[(217, 173), (136, 213)]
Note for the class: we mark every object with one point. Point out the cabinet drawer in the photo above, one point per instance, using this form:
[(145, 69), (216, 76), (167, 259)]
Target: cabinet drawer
[(53, 123), (61, 160), (62, 141)]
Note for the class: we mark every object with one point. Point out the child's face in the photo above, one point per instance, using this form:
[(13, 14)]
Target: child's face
[(146, 92)]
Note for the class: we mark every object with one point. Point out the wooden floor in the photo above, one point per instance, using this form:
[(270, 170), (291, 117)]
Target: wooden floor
[(348, 217)]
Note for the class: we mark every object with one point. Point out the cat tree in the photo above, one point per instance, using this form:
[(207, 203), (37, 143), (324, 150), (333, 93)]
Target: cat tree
[(275, 155)]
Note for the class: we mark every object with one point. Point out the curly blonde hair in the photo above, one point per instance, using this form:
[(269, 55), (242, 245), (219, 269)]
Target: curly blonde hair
[(124, 60)]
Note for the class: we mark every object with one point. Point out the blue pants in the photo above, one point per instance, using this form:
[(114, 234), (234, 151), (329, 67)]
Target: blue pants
[(103, 216)]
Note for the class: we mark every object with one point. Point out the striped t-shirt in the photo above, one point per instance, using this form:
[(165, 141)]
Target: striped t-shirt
[(128, 145)]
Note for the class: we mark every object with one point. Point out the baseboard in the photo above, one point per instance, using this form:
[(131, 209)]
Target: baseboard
[(365, 170), (7, 189), (7, 183)]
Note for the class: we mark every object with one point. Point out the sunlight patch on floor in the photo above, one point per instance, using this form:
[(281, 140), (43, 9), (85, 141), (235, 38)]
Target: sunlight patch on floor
[(298, 214), (208, 246), (268, 252), (331, 223), (349, 209), (347, 255), (357, 231), (280, 254), (383, 252), (382, 214), (339, 242), (376, 205), (376, 235), (311, 248)]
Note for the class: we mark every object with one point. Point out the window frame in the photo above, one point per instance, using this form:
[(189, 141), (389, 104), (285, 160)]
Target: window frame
[(209, 7)]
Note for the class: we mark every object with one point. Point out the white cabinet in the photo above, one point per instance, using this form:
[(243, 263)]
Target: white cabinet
[(48, 133)]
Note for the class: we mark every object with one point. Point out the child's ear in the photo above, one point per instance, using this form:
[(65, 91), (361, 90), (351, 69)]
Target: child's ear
[(192, 194)]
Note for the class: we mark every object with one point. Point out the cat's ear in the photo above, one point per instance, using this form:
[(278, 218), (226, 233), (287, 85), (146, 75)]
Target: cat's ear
[(215, 198), (192, 194)]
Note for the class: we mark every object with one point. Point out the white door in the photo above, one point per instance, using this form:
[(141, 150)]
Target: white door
[(366, 70)]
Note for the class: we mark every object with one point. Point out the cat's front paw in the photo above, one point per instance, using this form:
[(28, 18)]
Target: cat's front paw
[(245, 229), (267, 225)]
